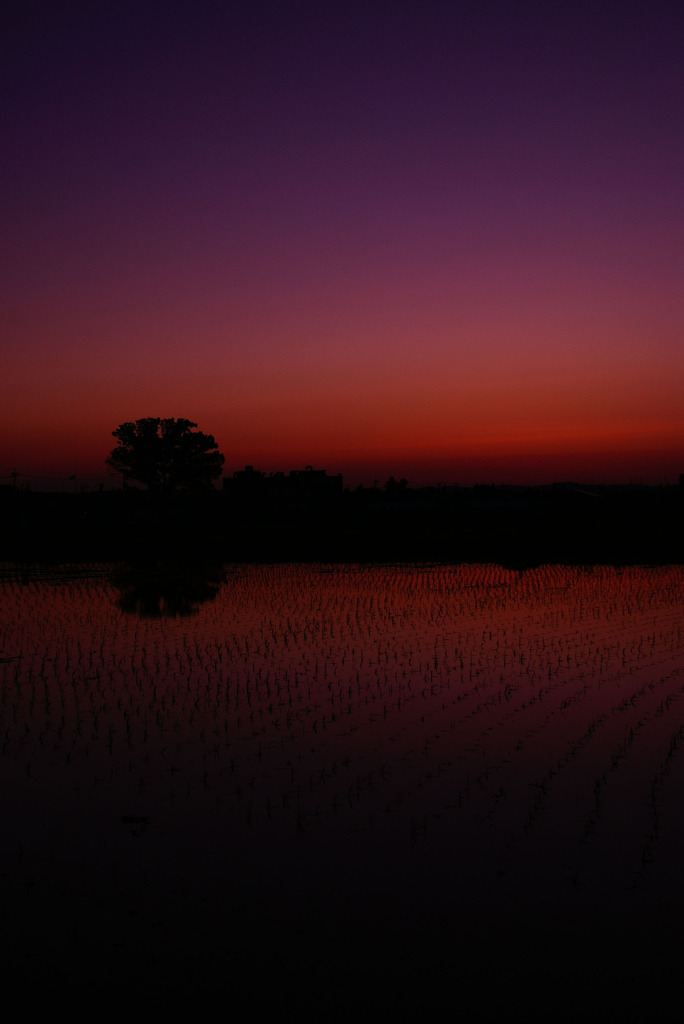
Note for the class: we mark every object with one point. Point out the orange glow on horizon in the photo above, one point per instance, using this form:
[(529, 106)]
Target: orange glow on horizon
[(373, 276)]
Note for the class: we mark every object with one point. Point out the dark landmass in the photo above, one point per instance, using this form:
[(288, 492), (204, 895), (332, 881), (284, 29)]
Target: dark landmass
[(310, 517)]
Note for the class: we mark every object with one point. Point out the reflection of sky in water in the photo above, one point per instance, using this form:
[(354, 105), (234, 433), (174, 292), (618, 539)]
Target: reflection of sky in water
[(464, 737)]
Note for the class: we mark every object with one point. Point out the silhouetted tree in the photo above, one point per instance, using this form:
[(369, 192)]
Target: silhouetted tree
[(166, 454)]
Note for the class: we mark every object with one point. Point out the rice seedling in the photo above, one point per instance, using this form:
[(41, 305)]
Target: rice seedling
[(522, 725)]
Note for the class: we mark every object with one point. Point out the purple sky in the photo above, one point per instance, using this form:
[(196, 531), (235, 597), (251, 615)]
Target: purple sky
[(440, 240)]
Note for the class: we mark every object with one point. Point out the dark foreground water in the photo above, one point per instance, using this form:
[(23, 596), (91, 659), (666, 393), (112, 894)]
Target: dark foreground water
[(345, 793)]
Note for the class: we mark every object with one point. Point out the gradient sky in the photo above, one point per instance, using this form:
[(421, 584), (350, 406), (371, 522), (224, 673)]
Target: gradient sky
[(440, 240)]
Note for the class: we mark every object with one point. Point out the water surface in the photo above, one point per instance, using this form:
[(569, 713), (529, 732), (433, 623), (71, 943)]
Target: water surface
[(288, 756)]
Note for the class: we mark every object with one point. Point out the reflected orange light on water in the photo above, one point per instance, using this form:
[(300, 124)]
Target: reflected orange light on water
[(302, 741)]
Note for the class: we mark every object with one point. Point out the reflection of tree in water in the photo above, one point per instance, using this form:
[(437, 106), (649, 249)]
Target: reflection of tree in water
[(158, 590)]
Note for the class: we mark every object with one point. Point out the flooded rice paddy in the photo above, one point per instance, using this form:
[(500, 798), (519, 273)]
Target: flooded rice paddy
[(311, 782)]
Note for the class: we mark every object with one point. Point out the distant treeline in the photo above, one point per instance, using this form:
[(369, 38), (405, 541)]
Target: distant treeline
[(311, 519)]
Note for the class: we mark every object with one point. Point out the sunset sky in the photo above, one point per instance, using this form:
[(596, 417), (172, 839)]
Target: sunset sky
[(443, 240)]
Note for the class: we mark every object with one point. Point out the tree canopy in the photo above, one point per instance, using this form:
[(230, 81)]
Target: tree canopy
[(166, 454)]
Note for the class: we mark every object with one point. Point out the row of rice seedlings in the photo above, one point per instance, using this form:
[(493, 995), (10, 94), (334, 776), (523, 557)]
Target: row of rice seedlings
[(376, 656), (299, 700)]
